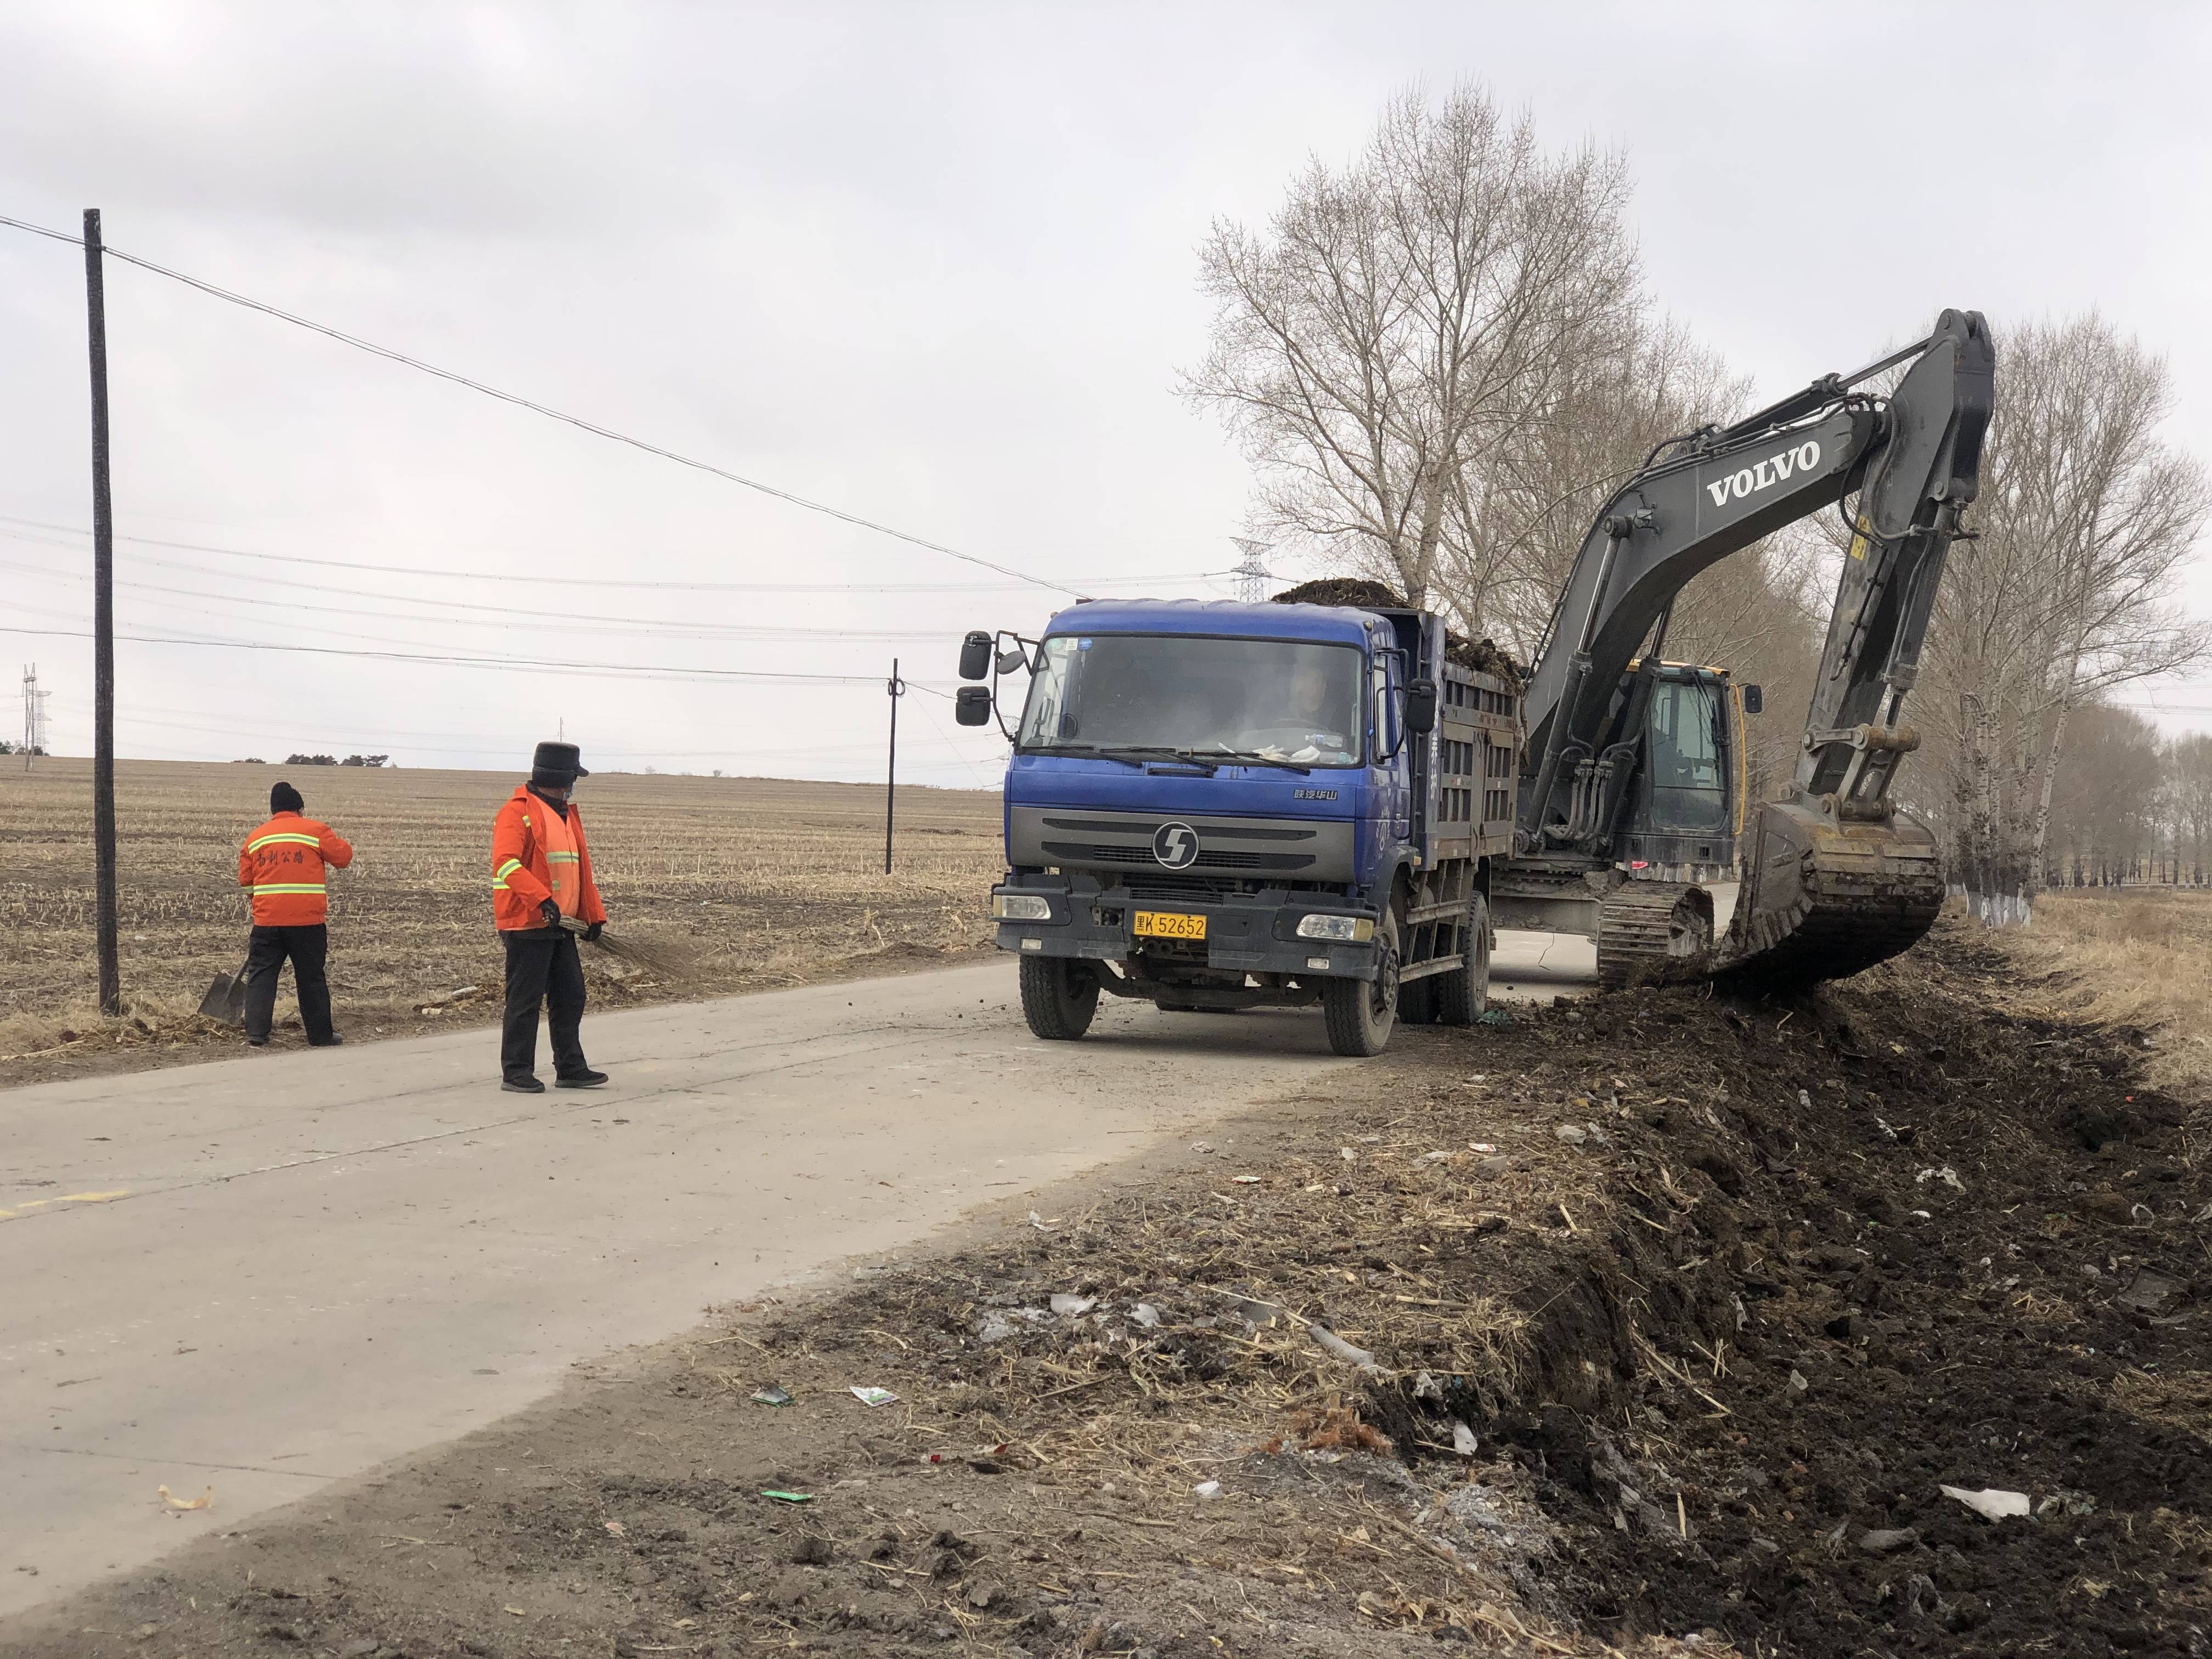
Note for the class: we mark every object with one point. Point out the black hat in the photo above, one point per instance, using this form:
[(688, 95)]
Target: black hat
[(285, 799), (556, 764)]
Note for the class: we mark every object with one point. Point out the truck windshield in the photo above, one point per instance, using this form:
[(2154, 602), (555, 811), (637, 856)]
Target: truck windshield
[(1275, 699), (1688, 791)]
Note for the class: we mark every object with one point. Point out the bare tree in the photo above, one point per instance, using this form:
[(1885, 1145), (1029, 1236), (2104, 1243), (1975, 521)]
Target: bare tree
[(2084, 518), (2189, 780), (1408, 316)]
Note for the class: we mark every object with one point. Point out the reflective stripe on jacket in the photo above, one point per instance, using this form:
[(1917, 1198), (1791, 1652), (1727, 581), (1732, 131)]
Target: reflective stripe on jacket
[(282, 864), (523, 862)]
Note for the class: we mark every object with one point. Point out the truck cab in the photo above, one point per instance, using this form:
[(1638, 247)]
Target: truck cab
[(1219, 806)]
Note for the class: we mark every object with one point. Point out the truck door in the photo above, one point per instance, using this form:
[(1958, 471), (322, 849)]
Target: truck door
[(1394, 800)]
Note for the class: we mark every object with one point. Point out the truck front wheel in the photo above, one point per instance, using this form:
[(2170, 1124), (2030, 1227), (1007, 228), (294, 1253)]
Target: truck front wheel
[(1058, 997), (1361, 1013), (1463, 994)]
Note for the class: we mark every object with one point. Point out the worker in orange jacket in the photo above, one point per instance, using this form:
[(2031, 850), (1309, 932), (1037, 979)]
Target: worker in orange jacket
[(284, 865), (542, 896)]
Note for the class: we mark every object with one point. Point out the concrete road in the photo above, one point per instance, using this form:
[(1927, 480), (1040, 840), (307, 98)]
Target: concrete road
[(263, 1274)]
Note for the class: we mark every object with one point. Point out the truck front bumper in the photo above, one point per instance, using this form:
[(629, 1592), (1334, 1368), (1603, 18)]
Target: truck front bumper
[(1245, 933)]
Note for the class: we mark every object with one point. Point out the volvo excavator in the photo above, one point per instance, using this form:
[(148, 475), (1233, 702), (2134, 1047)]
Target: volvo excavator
[(1633, 806)]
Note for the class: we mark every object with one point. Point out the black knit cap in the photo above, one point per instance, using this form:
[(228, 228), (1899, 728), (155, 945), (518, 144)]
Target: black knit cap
[(556, 765), (285, 799)]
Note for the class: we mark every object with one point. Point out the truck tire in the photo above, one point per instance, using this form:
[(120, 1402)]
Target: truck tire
[(1058, 997), (1463, 994), (1361, 1013)]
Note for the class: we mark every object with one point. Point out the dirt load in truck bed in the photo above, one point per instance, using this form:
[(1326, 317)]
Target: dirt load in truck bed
[(1655, 1324), (1481, 656)]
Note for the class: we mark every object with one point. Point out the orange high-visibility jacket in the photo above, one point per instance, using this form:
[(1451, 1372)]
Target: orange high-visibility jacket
[(524, 868), (282, 865)]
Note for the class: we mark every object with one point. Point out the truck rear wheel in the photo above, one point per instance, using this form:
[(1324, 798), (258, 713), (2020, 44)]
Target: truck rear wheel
[(1463, 994), (1058, 997), (1361, 1013)]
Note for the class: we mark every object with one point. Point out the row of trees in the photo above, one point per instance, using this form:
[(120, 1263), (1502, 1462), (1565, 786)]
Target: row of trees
[(1442, 357), (2131, 806)]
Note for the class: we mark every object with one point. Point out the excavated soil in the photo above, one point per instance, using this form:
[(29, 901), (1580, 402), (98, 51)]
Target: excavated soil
[(1483, 656), (1656, 1324)]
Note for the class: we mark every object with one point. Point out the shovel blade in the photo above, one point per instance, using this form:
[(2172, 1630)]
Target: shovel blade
[(225, 999)]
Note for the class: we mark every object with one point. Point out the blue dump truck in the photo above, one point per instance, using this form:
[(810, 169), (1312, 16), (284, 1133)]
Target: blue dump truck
[(1214, 806)]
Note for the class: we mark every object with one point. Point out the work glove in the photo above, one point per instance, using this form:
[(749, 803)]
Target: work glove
[(549, 912), (592, 933)]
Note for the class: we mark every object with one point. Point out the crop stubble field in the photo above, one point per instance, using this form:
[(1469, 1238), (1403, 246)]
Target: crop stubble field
[(728, 884)]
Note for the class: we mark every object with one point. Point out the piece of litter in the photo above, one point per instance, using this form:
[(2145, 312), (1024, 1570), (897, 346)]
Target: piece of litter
[(1573, 1133), (1991, 1504), (1481, 1146), (177, 1502), (1072, 1307), (774, 1394), (517, 1612), (1462, 1438), (615, 1529), (1246, 1180), (1947, 1175), (1041, 1224), (873, 1396), (1347, 1155), (1493, 1016), (784, 1497), (1342, 1349), (1207, 1489), (1201, 1147), (1146, 1315), (1435, 1158)]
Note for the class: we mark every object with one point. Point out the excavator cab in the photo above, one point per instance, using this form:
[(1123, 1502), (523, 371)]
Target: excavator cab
[(1686, 805)]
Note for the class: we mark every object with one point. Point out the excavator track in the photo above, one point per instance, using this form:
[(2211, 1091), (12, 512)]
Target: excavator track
[(1823, 899), (1652, 933)]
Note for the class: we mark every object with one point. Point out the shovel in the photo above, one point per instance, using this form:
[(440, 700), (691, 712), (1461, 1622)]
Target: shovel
[(226, 999)]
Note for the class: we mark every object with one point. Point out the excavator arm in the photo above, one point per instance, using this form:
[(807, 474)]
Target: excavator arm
[(1913, 457)]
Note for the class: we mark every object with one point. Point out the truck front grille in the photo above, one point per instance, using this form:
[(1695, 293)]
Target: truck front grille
[(1211, 858)]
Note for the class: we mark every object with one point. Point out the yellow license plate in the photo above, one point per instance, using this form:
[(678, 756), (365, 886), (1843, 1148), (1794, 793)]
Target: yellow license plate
[(1169, 924)]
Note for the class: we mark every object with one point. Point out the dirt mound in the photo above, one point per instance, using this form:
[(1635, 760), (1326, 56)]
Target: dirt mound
[(1853, 1250), (1483, 656)]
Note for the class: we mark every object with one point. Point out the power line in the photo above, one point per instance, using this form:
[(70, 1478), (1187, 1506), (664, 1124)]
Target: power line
[(536, 580), (520, 402), (647, 671)]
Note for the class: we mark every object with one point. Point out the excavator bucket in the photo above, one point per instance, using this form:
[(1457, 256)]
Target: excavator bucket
[(1824, 896)]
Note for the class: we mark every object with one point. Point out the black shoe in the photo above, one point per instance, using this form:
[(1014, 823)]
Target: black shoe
[(584, 1079), (333, 1041), (257, 1042), (523, 1084)]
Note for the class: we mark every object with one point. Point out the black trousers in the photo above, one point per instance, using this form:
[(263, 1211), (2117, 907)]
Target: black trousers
[(307, 947), (542, 967)]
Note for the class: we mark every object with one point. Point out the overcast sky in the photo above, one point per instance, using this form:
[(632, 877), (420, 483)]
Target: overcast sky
[(932, 263)]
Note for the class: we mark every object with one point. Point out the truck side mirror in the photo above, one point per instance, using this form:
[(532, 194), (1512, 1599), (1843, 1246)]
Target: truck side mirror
[(1421, 707), (975, 662), (1011, 658), (1753, 700), (972, 706)]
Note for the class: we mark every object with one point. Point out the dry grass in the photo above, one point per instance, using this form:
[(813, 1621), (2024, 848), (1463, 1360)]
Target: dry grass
[(2135, 957), (714, 884)]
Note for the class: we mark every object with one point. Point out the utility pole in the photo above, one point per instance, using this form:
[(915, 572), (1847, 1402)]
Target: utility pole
[(103, 629), (897, 689)]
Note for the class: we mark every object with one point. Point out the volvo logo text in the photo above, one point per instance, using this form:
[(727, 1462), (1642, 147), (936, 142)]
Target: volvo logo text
[(1175, 846), (1769, 472)]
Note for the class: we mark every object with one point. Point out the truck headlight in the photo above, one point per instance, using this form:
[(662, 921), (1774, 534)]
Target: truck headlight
[(1344, 930), (1020, 907)]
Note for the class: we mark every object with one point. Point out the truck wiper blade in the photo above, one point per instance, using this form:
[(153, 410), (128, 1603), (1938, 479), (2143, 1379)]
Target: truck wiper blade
[(1159, 751), (1249, 757), (1092, 749)]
